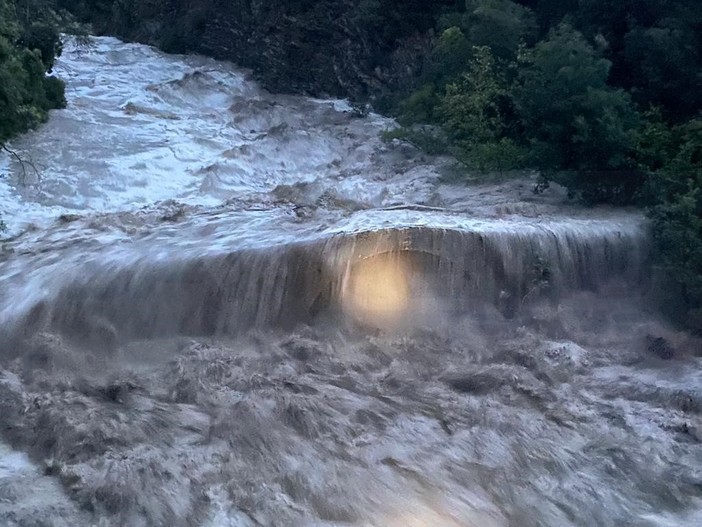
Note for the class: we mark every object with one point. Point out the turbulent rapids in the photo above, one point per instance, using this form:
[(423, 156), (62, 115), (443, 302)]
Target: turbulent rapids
[(221, 307)]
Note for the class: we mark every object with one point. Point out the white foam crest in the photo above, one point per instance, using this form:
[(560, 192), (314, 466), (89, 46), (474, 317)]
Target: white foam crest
[(182, 181)]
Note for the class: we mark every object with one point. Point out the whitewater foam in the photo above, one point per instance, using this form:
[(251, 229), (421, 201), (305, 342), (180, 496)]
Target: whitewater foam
[(191, 333)]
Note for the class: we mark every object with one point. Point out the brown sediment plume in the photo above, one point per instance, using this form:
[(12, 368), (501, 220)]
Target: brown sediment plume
[(228, 293)]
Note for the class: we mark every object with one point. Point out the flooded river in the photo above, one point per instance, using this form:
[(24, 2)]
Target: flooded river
[(225, 307)]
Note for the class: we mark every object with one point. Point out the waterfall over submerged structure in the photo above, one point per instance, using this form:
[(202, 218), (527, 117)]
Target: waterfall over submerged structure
[(301, 325), (377, 277)]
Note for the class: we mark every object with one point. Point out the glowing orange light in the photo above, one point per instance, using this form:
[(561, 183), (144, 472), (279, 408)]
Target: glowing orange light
[(377, 291), (424, 517)]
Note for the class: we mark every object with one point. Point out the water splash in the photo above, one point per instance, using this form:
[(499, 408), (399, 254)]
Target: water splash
[(221, 306), (434, 270)]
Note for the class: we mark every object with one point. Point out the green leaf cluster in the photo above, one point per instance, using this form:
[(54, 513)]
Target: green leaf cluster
[(547, 106), (676, 214), (28, 47), (29, 44)]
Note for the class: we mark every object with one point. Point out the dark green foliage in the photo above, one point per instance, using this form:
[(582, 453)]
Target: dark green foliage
[(577, 101), (655, 143), (660, 61), (549, 107), (55, 92), (470, 109), (563, 100), (577, 126), (501, 25), (470, 112), (473, 114), (594, 94), (603, 97), (450, 55), (29, 43), (45, 38), (655, 47), (181, 36), (677, 223), (28, 46), (420, 107)]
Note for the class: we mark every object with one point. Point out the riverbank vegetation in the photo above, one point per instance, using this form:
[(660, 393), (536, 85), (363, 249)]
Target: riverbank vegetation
[(30, 41), (601, 96), (29, 44)]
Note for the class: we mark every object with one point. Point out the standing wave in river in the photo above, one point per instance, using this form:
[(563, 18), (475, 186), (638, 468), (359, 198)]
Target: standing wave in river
[(221, 306)]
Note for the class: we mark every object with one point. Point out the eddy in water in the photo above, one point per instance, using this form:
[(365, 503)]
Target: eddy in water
[(301, 325)]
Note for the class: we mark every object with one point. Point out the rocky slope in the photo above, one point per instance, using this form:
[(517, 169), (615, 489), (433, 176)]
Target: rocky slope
[(336, 48)]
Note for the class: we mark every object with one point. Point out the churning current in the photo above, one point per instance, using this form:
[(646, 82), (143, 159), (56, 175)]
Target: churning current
[(224, 307)]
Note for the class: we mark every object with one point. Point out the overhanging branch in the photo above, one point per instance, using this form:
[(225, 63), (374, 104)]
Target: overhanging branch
[(22, 162)]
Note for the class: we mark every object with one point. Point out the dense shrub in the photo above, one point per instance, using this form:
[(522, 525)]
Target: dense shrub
[(603, 96), (677, 221), (576, 126), (28, 46)]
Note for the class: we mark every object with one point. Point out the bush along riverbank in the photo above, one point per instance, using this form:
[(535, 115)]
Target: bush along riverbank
[(603, 97)]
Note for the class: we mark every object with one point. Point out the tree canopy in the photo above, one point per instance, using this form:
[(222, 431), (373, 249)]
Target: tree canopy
[(603, 96), (29, 43)]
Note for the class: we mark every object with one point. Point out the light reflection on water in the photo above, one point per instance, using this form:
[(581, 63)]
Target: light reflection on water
[(559, 418)]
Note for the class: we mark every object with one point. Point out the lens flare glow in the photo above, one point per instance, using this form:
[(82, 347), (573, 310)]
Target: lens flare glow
[(377, 290), (423, 515)]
